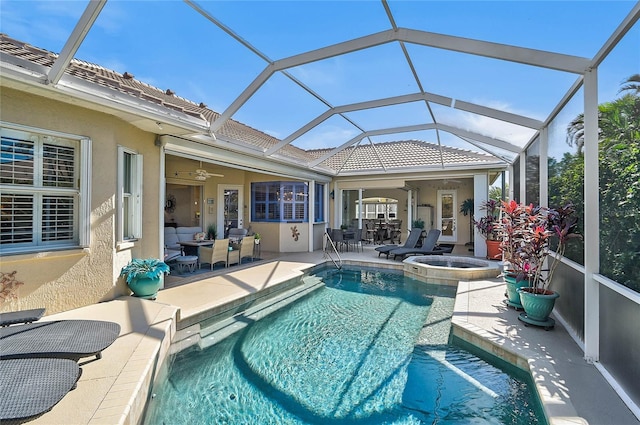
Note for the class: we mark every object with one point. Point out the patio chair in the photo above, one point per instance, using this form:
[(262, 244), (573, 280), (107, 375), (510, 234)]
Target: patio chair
[(337, 235), (370, 228), (396, 231), (428, 247), (31, 387), (216, 254), (246, 248), (66, 339), (23, 316), (356, 241), (411, 242), (236, 235)]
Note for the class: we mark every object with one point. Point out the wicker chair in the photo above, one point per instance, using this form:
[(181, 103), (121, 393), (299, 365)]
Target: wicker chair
[(217, 254), (246, 248)]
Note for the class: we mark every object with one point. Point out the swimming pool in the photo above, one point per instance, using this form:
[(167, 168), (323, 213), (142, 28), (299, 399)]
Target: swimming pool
[(368, 347)]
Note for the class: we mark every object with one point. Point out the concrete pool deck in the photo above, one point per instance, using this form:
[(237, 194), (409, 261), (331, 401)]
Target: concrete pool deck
[(113, 390)]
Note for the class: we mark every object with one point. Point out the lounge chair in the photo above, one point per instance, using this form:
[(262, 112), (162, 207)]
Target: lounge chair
[(411, 242), (22, 316), (31, 387), (66, 339), (428, 247)]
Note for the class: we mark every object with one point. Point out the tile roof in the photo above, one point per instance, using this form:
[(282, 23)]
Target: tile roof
[(399, 155), (390, 155)]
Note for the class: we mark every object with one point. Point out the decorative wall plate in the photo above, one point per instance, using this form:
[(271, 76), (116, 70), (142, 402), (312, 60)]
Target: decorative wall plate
[(170, 204)]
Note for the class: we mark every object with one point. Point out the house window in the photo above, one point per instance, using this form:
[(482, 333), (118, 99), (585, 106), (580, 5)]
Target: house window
[(319, 203), (130, 199), (378, 208), (40, 182), (279, 201)]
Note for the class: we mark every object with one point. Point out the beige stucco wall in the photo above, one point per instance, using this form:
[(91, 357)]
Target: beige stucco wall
[(67, 279)]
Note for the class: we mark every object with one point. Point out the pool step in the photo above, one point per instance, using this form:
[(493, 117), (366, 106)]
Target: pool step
[(218, 331), (222, 329)]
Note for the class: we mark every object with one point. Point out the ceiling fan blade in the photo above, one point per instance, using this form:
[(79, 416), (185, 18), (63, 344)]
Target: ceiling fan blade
[(199, 174)]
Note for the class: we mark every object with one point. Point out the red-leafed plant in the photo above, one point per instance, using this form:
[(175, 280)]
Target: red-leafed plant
[(526, 233), (488, 224)]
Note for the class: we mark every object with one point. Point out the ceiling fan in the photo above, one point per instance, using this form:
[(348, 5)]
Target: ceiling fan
[(199, 174), (447, 181)]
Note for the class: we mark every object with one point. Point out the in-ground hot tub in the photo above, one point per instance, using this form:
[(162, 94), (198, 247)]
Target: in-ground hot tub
[(445, 269)]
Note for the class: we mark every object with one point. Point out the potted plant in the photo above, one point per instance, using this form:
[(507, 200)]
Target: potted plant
[(512, 230), (466, 208), (256, 238), (212, 232), (526, 233), (419, 223), (488, 226), (144, 276)]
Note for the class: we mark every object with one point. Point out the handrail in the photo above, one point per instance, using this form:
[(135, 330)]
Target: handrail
[(329, 242)]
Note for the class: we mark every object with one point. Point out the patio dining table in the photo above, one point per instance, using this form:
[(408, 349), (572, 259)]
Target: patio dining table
[(191, 247)]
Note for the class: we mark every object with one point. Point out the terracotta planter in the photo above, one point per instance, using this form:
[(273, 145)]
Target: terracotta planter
[(493, 250)]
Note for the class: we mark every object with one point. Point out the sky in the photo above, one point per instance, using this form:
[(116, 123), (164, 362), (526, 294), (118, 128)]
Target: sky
[(169, 45)]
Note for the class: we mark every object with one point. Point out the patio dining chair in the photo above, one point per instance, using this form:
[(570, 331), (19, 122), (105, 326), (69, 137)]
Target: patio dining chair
[(370, 231), (356, 241), (337, 235), (396, 231), (247, 246), (214, 255)]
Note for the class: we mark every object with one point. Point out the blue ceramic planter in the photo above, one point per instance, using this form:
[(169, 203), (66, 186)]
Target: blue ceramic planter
[(512, 290), (144, 287), (537, 307)]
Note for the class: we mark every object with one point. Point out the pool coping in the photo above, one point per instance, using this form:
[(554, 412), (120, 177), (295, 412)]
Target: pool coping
[(558, 409)]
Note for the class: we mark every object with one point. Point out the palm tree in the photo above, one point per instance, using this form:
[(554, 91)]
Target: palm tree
[(619, 156), (607, 116), (631, 84)]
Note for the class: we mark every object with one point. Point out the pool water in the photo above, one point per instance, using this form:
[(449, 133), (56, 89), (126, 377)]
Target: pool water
[(366, 348)]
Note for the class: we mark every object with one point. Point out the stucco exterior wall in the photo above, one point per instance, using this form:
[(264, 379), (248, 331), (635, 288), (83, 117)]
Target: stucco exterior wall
[(68, 279)]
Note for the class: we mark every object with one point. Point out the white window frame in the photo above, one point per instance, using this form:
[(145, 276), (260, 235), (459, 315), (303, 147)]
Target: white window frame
[(80, 191), (129, 228)]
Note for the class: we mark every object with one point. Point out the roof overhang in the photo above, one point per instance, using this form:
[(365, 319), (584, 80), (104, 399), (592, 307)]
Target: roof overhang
[(239, 160), (148, 116)]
